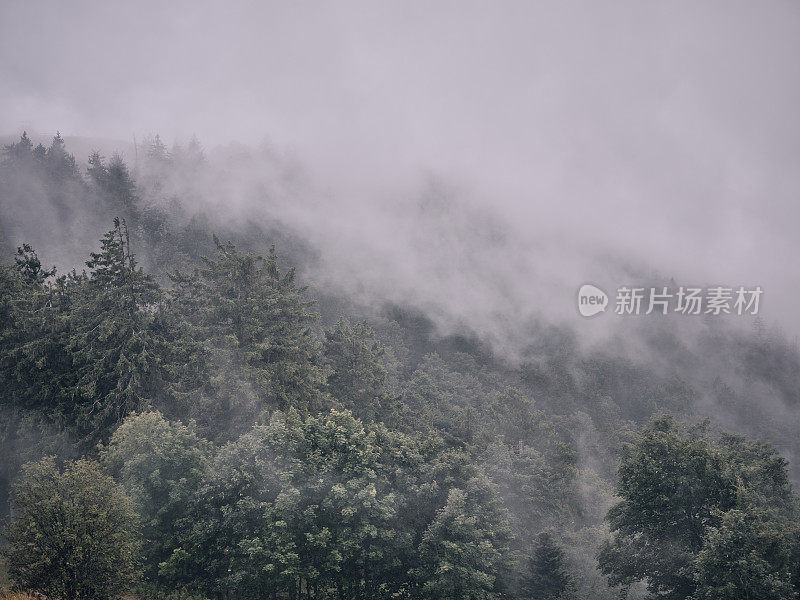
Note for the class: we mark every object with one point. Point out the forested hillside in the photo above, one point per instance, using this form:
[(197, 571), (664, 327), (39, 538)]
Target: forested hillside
[(189, 408)]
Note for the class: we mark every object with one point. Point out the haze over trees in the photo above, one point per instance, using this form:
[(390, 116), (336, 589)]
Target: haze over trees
[(180, 417)]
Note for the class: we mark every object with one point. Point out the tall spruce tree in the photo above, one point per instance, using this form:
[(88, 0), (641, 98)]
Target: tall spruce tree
[(259, 324), (112, 339), (357, 376), (548, 577)]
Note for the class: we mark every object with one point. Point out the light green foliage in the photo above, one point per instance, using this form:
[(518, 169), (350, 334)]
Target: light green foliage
[(293, 503), (461, 550), (72, 534)]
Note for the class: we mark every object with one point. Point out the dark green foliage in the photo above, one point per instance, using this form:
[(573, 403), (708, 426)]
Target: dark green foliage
[(29, 266), (357, 376), (747, 555), (72, 534), (35, 364), (682, 493), (435, 452), (114, 183), (333, 508), (87, 349), (259, 328), (548, 576), (113, 338)]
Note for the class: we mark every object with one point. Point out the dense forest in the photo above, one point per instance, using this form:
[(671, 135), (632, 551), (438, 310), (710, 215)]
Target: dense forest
[(186, 416)]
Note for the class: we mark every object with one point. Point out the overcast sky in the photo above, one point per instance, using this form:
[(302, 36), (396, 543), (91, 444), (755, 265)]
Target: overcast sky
[(667, 132)]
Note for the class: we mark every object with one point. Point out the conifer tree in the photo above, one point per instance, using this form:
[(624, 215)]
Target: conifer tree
[(548, 577), (357, 375), (112, 339), (259, 317)]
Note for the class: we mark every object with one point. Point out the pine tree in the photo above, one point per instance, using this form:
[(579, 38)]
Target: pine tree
[(459, 552), (97, 170), (120, 188), (14, 154), (548, 577), (357, 375), (112, 339), (29, 266), (60, 164), (258, 317)]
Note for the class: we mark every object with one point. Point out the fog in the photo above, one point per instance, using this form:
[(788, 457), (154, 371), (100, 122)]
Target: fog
[(481, 161)]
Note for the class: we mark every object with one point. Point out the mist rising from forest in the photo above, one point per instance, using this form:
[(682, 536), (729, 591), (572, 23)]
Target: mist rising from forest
[(479, 167), (477, 170), (443, 177)]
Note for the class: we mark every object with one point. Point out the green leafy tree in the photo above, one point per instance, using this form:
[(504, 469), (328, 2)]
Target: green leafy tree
[(745, 556), (671, 485), (676, 486), (73, 533), (160, 465), (291, 505)]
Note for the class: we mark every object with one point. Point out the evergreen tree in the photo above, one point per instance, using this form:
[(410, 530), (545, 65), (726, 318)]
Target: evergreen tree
[(29, 266), (260, 325), (120, 188), (97, 170), (19, 153), (458, 554), (112, 339), (35, 364), (357, 375), (548, 577), (61, 166)]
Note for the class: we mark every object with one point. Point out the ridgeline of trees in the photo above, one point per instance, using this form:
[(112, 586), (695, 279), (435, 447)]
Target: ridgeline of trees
[(198, 430)]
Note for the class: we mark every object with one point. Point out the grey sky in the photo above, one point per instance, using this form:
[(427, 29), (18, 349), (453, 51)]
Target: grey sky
[(663, 132)]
